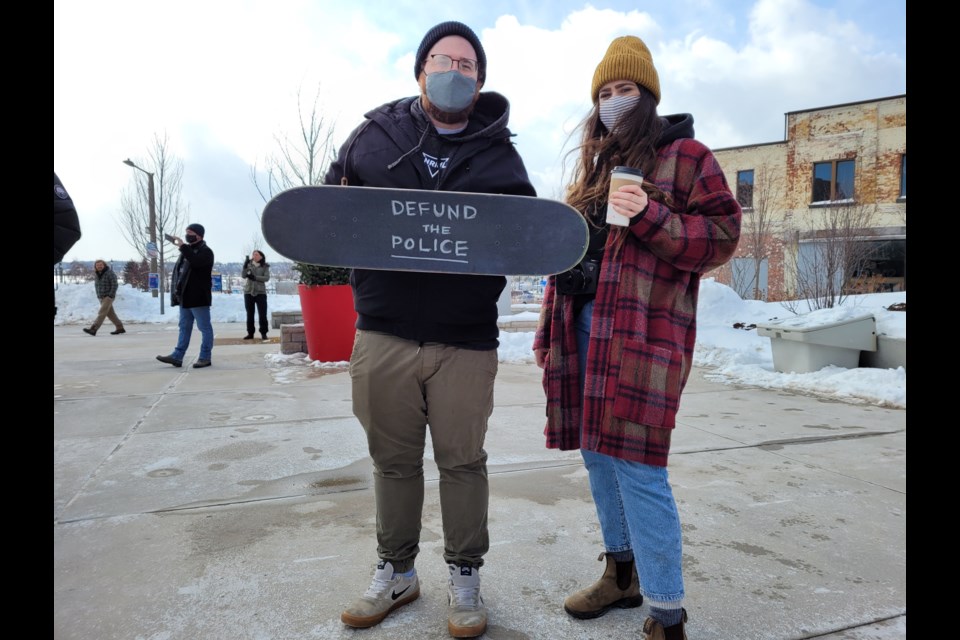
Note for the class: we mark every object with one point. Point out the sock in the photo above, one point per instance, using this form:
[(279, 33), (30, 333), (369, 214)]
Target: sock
[(624, 574), (621, 556), (666, 617)]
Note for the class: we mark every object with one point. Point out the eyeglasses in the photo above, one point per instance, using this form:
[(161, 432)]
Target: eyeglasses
[(439, 63)]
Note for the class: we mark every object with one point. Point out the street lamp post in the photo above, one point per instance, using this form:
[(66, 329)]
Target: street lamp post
[(153, 230)]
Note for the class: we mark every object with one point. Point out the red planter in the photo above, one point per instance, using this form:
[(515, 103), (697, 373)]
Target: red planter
[(329, 321)]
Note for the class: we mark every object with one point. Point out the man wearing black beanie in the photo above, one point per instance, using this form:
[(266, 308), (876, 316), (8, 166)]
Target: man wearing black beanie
[(191, 289), (425, 352)]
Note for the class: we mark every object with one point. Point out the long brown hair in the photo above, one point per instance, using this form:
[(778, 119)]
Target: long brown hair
[(632, 145)]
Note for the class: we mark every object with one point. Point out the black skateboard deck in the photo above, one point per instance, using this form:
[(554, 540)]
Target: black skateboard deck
[(418, 230)]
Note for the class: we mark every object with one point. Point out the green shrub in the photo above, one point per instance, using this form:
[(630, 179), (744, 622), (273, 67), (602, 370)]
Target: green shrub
[(314, 274)]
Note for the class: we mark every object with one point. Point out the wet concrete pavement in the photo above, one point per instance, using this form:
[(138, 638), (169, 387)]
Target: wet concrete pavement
[(235, 502)]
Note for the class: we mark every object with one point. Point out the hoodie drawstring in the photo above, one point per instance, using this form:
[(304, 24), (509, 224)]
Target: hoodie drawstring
[(412, 151)]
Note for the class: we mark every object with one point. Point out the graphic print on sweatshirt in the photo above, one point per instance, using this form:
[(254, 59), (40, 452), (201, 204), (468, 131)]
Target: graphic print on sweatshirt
[(434, 164)]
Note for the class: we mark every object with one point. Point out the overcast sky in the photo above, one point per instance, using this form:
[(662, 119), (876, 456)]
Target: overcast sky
[(220, 81)]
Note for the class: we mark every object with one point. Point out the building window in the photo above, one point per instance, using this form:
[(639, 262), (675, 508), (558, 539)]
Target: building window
[(903, 176), (745, 189), (882, 266), (833, 181)]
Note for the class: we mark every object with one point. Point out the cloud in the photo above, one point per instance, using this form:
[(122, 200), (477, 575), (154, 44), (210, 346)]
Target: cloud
[(222, 80)]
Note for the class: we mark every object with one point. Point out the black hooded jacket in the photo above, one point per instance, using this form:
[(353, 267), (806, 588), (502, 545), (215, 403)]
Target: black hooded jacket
[(190, 282), (66, 222), (398, 147), (676, 126)]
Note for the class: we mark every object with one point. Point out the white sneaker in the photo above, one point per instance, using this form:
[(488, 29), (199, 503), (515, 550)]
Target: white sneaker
[(468, 616), (387, 592)]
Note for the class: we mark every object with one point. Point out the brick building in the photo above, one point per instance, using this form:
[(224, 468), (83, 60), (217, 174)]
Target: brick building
[(825, 209)]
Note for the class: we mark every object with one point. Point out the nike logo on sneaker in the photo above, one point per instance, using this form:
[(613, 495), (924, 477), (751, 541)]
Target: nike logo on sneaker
[(395, 595)]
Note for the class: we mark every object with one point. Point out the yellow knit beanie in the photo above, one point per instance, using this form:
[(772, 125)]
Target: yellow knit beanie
[(627, 58)]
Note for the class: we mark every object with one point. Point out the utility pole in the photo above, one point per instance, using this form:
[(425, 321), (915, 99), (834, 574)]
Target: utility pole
[(153, 232)]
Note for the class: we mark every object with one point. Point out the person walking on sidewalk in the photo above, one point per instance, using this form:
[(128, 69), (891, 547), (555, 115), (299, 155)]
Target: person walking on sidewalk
[(616, 358), (425, 352), (105, 284), (191, 289), (256, 273)]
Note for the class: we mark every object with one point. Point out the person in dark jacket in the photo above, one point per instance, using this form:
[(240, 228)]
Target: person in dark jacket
[(425, 351), (256, 273), (191, 289), (616, 358), (105, 284), (66, 227)]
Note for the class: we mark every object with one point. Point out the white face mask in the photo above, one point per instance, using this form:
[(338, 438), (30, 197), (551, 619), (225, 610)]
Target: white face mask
[(612, 108)]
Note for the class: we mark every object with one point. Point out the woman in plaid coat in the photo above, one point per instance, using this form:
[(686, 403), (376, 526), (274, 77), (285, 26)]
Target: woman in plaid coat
[(617, 352)]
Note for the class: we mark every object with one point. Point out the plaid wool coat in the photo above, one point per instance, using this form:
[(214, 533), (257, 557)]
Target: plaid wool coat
[(644, 316)]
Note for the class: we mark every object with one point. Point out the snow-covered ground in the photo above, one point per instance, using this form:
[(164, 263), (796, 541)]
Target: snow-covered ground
[(734, 355)]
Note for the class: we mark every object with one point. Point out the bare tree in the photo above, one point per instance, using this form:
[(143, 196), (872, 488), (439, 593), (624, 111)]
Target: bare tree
[(170, 211), (255, 243), (300, 161), (79, 272), (825, 260), (756, 233)]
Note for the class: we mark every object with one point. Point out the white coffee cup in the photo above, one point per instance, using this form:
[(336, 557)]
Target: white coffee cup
[(620, 176)]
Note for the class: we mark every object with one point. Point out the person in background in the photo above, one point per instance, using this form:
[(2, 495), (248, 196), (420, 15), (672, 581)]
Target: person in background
[(256, 273), (425, 351), (105, 284), (616, 358), (191, 289), (66, 227)]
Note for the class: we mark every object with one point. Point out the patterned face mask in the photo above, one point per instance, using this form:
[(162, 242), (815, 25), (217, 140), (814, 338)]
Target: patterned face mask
[(612, 108)]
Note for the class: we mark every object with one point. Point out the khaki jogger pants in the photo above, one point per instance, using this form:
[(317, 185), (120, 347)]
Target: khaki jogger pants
[(106, 311), (399, 388)]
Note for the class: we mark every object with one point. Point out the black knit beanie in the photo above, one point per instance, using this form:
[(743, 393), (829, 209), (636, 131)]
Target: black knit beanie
[(443, 30), (196, 228)]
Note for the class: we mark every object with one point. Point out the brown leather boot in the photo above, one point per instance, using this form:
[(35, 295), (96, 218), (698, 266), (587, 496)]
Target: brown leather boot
[(617, 587), (653, 630)]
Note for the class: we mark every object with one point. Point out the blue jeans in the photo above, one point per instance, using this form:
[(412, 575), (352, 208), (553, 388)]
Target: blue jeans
[(635, 507), (202, 316)]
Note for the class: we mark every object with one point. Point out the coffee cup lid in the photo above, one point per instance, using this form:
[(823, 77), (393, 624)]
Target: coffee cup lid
[(629, 170)]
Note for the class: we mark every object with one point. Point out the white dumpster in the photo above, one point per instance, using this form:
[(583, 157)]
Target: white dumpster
[(801, 344)]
